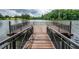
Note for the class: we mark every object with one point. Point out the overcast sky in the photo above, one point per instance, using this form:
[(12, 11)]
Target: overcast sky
[(32, 12)]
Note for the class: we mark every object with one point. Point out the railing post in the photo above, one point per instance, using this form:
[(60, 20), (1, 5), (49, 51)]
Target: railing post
[(9, 27), (14, 44), (10, 46), (70, 26)]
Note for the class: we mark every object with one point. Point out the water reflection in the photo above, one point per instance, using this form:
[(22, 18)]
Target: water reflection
[(0, 23)]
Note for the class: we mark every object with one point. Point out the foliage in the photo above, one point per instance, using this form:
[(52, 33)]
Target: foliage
[(62, 14), (23, 16)]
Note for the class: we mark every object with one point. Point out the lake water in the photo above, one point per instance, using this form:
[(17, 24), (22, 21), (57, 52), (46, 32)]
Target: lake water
[(4, 28), (75, 31)]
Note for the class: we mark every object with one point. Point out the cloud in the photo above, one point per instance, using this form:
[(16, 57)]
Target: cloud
[(43, 11), (8, 12), (40, 12), (32, 12)]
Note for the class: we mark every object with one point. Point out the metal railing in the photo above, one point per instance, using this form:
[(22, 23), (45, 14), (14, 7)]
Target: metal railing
[(18, 40), (60, 41)]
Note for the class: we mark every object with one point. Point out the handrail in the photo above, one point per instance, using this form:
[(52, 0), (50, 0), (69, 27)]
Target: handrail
[(66, 27), (14, 27), (61, 37), (13, 37)]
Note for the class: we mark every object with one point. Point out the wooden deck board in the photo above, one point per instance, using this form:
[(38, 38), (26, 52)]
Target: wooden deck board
[(40, 38)]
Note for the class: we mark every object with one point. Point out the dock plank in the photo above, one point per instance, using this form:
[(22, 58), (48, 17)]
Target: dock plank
[(40, 38)]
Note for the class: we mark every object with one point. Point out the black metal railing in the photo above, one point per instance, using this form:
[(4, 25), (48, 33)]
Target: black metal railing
[(60, 41), (18, 40)]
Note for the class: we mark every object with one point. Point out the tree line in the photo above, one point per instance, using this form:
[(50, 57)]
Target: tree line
[(62, 14), (23, 16)]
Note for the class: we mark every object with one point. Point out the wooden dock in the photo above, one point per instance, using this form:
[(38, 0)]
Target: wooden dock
[(39, 36), (39, 39)]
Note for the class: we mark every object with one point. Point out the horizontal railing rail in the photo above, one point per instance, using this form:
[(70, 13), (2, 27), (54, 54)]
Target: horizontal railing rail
[(14, 27), (60, 41), (17, 40), (66, 27)]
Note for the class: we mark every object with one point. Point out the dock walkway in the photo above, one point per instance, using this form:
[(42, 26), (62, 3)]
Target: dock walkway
[(39, 39)]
